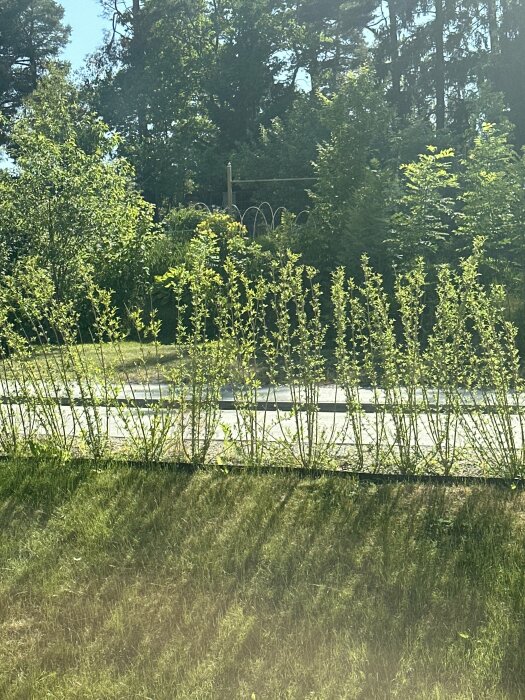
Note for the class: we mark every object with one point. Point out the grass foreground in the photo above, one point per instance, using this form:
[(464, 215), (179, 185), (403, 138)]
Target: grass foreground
[(119, 582)]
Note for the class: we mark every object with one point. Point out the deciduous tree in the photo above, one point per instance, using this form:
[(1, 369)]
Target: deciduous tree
[(69, 201)]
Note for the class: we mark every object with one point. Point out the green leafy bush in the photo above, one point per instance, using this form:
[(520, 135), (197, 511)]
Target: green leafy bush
[(70, 202)]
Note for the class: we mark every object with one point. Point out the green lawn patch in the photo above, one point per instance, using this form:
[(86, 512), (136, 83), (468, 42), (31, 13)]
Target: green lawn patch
[(120, 582), (130, 360)]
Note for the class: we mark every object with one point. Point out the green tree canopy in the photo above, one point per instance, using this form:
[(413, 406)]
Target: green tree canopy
[(69, 201), (493, 200), (147, 82), (351, 197), (31, 33), (422, 222)]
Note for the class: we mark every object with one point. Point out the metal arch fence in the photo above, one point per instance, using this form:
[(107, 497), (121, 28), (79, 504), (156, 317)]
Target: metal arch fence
[(257, 217)]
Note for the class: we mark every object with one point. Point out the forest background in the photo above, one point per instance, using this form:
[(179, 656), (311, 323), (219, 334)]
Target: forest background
[(408, 115)]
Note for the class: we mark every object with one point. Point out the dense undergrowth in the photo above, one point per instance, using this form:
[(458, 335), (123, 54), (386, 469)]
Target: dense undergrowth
[(120, 582), (445, 384)]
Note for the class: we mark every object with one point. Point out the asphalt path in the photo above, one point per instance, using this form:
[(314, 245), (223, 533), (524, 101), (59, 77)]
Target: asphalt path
[(126, 420)]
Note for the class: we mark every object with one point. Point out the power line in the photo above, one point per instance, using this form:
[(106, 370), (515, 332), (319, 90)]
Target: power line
[(277, 179), (230, 182)]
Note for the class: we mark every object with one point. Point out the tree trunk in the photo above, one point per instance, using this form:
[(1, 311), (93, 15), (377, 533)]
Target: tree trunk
[(492, 20), (137, 53), (439, 67), (30, 48), (395, 71)]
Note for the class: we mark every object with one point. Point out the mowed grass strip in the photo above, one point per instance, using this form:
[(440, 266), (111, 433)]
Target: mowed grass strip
[(130, 361), (120, 582)]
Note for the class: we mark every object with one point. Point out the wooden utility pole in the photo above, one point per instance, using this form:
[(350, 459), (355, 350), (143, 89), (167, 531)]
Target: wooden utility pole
[(229, 189)]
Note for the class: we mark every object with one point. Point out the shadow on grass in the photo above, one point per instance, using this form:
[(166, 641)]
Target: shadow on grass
[(149, 582), (148, 363), (37, 487)]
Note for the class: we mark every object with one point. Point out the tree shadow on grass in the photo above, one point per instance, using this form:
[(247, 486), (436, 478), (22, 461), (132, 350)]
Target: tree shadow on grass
[(37, 487), (414, 572), (134, 366), (265, 584)]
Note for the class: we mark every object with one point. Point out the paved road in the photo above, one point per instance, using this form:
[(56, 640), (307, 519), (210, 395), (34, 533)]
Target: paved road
[(328, 393), (120, 422)]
